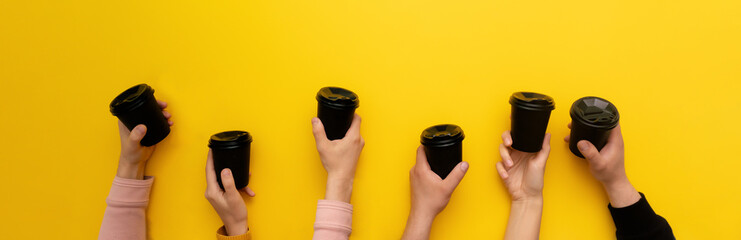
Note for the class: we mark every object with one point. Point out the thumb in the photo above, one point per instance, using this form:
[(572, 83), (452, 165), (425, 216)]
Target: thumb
[(589, 151), (455, 176), (318, 129), (138, 133), (227, 180)]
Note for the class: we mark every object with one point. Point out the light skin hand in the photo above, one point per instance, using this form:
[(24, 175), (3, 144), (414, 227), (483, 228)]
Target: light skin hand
[(522, 174), (228, 203), (339, 158), (430, 195), (608, 167), (134, 156)]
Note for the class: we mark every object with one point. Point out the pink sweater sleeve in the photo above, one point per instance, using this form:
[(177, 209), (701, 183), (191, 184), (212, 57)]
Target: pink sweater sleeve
[(127, 202), (333, 220)]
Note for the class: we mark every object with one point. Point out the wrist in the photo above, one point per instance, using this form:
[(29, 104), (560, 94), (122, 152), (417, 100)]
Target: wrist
[(236, 229), (421, 216), (340, 175), (532, 197), (130, 170), (339, 188), (419, 224), (528, 202), (621, 193), (616, 184)]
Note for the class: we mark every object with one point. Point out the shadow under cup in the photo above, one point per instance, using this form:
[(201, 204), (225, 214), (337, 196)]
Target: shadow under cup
[(336, 109), (137, 105), (592, 119), (530, 115), (443, 146), (231, 149)]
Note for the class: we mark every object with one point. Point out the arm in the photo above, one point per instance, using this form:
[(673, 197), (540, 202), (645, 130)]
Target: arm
[(430, 195), (124, 217), (639, 221), (522, 174), (339, 158), (633, 216), (228, 203)]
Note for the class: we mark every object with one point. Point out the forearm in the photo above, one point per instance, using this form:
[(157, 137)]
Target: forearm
[(524, 219), (621, 193), (339, 188), (639, 221), (418, 226), (124, 216)]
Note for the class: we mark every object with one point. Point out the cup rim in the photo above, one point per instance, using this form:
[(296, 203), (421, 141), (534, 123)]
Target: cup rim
[(430, 141), (242, 139), (130, 99), (348, 101), (575, 116), (544, 102)]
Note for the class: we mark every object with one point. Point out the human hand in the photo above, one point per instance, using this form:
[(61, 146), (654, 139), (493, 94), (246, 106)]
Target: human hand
[(522, 172), (608, 167), (430, 195), (134, 156), (339, 158), (228, 203)]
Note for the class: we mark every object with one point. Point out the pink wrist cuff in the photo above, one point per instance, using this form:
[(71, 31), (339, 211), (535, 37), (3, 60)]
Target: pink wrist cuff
[(130, 192), (334, 215)]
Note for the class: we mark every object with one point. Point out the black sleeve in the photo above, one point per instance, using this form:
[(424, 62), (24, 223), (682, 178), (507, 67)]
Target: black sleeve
[(639, 221)]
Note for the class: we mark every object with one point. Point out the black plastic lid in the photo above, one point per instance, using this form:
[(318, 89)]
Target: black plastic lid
[(595, 112), (442, 135), (131, 99), (337, 97), (229, 139), (532, 101)]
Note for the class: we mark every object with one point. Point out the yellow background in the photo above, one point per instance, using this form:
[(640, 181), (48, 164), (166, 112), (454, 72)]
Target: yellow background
[(671, 67)]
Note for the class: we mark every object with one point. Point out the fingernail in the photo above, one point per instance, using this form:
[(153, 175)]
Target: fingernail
[(314, 120), (582, 145), (464, 166), (227, 172)]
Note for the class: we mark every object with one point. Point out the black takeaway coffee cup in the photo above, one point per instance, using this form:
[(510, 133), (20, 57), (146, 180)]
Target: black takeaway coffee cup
[(592, 119), (336, 110), (530, 114), (443, 146), (231, 149), (137, 105)]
